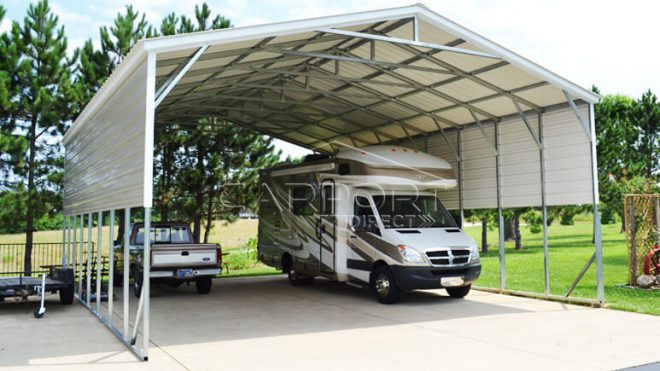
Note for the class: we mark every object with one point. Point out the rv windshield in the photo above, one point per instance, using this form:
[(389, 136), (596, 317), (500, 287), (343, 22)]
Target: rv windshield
[(412, 211)]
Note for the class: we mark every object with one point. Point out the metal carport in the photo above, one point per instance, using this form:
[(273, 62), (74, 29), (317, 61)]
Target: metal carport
[(518, 134)]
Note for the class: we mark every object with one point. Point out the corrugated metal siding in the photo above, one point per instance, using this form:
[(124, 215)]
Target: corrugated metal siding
[(521, 163), (480, 184), (568, 158), (104, 161), (438, 146)]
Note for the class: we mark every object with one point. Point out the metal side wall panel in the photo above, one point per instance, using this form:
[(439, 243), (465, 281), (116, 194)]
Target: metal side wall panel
[(480, 183), (521, 166), (568, 158), (104, 161), (437, 146)]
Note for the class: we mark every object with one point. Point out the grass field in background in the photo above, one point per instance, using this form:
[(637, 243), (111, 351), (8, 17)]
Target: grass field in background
[(570, 249)]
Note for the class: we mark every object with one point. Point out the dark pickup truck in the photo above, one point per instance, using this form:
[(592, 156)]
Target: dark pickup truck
[(175, 259)]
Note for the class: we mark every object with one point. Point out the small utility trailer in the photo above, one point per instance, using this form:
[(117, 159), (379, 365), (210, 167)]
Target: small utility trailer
[(58, 280)]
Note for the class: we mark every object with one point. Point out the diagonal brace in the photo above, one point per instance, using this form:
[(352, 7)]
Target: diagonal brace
[(581, 120), (175, 77), (529, 127)]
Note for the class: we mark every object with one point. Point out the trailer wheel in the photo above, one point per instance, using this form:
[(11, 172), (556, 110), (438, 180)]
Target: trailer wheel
[(458, 292), (137, 281), (203, 284), (66, 295), (384, 286), (298, 279)]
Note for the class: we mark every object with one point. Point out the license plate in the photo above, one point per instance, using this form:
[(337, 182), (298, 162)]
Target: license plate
[(451, 281), (184, 273)]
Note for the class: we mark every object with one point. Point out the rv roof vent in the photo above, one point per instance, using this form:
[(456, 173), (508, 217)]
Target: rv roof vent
[(407, 231), (452, 230)]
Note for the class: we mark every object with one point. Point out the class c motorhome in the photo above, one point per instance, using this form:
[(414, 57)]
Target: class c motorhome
[(368, 216)]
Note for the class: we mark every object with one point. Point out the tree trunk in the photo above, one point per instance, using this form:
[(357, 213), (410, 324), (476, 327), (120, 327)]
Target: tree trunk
[(516, 231), (120, 228), (29, 229), (199, 198), (484, 235), (209, 218), (508, 229)]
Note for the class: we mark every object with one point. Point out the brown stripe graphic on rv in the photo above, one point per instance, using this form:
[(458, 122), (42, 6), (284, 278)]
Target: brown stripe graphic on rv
[(379, 244)]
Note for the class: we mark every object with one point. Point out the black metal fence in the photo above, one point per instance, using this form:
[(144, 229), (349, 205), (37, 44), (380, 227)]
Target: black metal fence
[(44, 256)]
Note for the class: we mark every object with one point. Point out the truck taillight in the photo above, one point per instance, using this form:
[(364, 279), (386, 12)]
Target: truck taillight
[(218, 253)]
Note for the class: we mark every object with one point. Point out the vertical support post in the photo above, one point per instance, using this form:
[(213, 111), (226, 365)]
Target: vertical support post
[(74, 249), (99, 239), (80, 254), (546, 254), (111, 266), (69, 255), (600, 285), (459, 144), (416, 29), (89, 255), (126, 278), (632, 225), (64, 241), (145, 281), (500, 215)]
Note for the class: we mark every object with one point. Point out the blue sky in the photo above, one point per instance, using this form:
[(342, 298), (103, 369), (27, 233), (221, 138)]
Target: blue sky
[(612, 44)]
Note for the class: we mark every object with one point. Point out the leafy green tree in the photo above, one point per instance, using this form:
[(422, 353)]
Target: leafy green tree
[(42, 109)]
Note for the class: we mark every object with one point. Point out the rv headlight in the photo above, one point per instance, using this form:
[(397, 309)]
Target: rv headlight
[(474, 255), (410, 255)]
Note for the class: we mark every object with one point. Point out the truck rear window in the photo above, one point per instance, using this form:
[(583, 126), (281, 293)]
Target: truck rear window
[(165, 235)]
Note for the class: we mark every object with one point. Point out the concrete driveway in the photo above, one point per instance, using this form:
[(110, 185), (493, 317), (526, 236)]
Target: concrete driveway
[(263, 322)]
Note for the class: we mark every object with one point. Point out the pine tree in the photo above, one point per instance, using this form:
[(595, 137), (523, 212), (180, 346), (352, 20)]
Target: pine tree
[(42, 108)]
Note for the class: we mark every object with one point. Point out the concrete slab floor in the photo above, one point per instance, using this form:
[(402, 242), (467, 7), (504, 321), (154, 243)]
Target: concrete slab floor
[(263, 322)]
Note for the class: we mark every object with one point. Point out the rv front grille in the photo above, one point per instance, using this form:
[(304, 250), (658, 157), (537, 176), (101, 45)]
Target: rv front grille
[(449, 257)]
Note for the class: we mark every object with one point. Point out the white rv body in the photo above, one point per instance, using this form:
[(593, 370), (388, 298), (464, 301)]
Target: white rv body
[(367, 216)]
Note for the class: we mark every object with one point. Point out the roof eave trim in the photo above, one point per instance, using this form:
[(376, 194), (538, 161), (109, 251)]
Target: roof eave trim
[(186, 41)]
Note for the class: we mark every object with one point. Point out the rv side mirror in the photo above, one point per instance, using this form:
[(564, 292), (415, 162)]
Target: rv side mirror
[(356, 226)]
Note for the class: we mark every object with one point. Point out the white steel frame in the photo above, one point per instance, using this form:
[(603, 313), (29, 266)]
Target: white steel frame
[(239, 90)]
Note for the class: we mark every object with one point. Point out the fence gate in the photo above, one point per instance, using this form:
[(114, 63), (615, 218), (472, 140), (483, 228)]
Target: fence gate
[(642, 220)]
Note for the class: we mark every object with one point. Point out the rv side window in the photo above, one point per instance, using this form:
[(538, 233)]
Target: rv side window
[(364, 218), (301, 200)]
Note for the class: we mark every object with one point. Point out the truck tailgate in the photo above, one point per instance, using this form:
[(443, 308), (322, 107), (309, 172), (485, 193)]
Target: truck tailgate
[(177, 255)]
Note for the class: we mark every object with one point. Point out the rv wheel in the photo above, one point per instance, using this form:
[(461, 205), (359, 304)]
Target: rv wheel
[(298, 279), (458, 292), (384, 286)]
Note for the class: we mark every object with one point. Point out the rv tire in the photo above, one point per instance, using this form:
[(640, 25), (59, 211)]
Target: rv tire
[(458, 292), (298, 279), (384, 286)]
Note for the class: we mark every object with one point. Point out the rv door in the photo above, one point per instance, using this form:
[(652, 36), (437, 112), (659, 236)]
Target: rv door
[(327, 227)]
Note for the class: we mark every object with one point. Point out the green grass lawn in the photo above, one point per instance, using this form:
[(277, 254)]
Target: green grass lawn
[(570, 248)]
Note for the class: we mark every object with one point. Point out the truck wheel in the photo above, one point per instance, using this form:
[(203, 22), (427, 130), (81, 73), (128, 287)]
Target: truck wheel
[(458, 292), (384, 286), (298, 279), (66, 295), (203, 284), (137, 281)]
